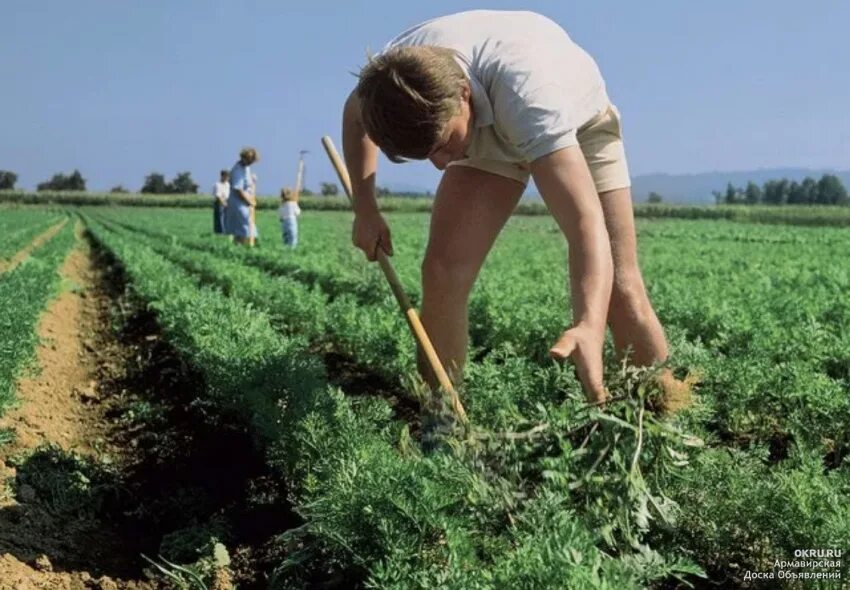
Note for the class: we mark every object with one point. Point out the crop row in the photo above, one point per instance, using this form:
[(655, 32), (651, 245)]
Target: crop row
[(762, 462), (372, 503), (765, 326), (500, 391), (341, 273), (24, 292), (18, 227)]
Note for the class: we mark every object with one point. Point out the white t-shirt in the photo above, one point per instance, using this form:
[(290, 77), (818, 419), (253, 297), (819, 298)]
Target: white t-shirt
[(221, 190), (288, 210), (532, 86)]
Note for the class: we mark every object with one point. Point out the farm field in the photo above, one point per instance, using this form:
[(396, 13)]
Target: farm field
[(301, 359)]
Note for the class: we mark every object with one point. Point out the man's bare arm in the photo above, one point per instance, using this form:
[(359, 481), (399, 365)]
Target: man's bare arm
[(567, 189), (361, 159), (361, 156)]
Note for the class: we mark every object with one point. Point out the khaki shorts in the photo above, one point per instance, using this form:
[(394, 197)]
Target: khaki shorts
[(601, 141)]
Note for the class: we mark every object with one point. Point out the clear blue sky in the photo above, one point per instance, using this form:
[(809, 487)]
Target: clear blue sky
[(120, 89)]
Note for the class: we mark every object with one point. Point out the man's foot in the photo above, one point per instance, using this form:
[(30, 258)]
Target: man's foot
[(438, 427)]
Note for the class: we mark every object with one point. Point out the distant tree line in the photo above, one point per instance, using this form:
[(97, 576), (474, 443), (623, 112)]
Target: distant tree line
[(330, 189), (7, 179), (61, 182), (154, 183), (829, 190), (383, 191), (182, 184)]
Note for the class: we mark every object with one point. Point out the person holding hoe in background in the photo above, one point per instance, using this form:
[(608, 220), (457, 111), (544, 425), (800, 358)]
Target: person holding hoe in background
[(239, 219), (492, 98)]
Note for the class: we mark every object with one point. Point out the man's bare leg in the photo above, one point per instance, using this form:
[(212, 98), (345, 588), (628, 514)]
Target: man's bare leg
[(469, 211)]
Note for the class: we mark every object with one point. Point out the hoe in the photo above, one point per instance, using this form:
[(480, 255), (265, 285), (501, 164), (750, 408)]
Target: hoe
[(401, 297)]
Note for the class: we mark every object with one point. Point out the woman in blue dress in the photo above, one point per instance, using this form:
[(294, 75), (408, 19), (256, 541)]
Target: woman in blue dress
[(242, 198)]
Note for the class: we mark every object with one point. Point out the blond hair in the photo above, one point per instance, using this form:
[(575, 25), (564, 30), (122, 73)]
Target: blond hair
[(407, 96), (286, 194), (249, 155)]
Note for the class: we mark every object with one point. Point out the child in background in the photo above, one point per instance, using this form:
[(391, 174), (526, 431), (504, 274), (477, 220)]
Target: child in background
[(288, 213)]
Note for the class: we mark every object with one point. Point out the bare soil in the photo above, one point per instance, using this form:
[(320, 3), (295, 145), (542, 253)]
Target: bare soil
[(43, 543), (116, 454)]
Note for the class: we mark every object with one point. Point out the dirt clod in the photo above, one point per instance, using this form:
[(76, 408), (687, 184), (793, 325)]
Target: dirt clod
[(42, 563), (676, 394), (88, 393), (221, 580)]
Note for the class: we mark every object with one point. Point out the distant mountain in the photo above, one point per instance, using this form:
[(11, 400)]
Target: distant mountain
[(695, 189)]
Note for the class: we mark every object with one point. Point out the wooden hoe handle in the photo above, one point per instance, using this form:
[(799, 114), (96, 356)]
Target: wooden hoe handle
[(252, 226), (404, 303)]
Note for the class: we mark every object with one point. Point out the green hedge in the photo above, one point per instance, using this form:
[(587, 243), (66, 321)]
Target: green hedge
[(792, 215)]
